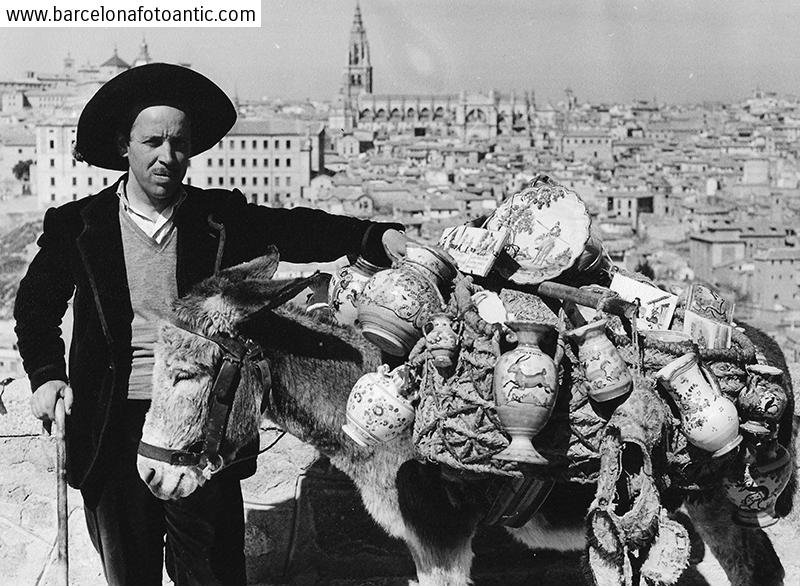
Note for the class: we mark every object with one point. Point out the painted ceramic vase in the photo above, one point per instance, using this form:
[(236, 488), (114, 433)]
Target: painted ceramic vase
[(345, 288), (763, 400), (376, 411), (755, 486), (606, 372), (433, 262), (395, 304), (525, 389), (442, 340), (708, 418)]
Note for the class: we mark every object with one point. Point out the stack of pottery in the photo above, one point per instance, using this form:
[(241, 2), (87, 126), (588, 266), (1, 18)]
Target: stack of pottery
[(395, 304), (525, 389), (709, 420), (755, 484), (763, 401), (345, 289), (606, 373), (376, 411)]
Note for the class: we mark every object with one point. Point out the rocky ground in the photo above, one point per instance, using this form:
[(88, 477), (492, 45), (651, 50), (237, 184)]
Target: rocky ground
[(305, 525)]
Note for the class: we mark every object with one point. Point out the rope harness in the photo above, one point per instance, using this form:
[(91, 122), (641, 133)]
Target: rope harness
[(208, 453)]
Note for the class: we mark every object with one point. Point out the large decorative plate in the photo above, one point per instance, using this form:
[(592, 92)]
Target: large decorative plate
[(548, 228)]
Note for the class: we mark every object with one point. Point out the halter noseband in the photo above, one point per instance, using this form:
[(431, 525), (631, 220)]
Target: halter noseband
[(236, 351)]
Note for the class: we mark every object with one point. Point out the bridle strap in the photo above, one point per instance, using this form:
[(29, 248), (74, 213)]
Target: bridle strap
[(235, 351)]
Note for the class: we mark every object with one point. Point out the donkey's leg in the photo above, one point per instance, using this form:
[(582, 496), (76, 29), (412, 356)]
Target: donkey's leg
[(746, 555), (440, 522)]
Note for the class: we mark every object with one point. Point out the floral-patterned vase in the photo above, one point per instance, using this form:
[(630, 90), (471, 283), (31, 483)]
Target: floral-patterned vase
[(525, 389), (763, 400), (395, 304), (755, 486), (376, 411), (708, 418), (345, 288), (442, 339), (434, 262), (606, 372)]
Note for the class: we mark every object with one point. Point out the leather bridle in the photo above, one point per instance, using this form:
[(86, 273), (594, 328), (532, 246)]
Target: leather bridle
[(237, 351)]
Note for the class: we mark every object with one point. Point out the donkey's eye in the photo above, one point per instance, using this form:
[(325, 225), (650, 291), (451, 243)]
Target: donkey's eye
[(182, 375)]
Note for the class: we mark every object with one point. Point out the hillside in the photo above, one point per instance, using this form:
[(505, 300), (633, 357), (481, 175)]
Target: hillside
[(17, 247)]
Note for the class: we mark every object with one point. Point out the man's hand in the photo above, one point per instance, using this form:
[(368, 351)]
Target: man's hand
[(43, 401), (394, 243)]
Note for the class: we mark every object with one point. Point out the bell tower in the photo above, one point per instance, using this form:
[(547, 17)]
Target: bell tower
[(358, 73)]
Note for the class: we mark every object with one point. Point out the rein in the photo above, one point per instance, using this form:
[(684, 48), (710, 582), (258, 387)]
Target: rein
[(236, 350)]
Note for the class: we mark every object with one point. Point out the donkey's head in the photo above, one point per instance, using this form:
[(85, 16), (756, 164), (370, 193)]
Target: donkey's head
[(213, 362), (201, 350)]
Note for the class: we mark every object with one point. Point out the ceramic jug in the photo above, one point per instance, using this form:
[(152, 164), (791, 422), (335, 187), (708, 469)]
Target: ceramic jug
[(755, 484), (606, 373), (376, 411), (442, 340), (345, 289), (525, 388), (708, 418), (763, 401), (396, 303)]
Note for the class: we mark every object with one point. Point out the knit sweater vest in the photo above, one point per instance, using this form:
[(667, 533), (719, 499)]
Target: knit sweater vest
[(151, 279)]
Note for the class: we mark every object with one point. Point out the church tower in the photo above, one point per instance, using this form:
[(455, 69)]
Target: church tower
[(358, 73)]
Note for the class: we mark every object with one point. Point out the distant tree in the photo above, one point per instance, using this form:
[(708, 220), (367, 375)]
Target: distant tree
[(22, 170), (645, 269)]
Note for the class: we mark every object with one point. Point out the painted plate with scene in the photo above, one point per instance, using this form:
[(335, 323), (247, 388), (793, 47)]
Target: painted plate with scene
[(548, 226)]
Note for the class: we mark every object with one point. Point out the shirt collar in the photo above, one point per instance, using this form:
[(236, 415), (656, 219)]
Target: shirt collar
[(164, 215)]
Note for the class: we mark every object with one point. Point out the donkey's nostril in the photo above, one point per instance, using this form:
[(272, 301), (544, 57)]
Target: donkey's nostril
[(150, 474)]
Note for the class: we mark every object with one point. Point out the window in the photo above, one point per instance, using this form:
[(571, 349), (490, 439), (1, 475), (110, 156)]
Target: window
[(220, 162), (277, 162), (254, 197), (288, 182), (105, 181), (255, 180), (74, 196), (188, 181), (266, 180), (230, 143), (233, 162), (73, 163), (266, 162), (242, 144), (220, 181), (277, 181), (244, 162), (219, 145), (288, 144), (210, 181), (52, 197), (74, 180), (266, 144), (52, 144), (255, 162), (89, 182), (232, 181), (244, 180), (210, 163), (277, 144), (52, 181), (255, 145), (288, 162), (52, 162)]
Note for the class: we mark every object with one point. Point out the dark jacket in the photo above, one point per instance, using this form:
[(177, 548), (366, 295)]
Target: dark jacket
[(81, 252)]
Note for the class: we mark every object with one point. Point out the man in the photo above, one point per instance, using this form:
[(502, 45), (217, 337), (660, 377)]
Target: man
[(125, 253)]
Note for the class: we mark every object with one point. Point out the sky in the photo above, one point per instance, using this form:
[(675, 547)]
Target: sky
[(675, 51)]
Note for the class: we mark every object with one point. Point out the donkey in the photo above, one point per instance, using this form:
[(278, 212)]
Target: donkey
[(308, 366)]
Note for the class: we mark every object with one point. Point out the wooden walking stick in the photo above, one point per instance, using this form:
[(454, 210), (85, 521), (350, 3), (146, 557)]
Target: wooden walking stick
[(62, 561)]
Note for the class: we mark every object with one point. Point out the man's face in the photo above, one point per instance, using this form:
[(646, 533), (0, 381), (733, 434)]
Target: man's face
[(158, 153)]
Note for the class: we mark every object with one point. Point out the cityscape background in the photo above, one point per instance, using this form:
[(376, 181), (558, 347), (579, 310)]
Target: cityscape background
[(677, 123)]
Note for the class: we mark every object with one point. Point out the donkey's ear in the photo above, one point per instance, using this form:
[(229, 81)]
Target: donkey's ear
[(261, 268)]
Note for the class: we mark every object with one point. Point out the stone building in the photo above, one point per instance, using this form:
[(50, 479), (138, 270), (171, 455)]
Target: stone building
[(466, 115)]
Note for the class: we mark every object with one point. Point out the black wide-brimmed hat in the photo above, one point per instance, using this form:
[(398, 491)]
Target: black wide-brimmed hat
[(117, 103)]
